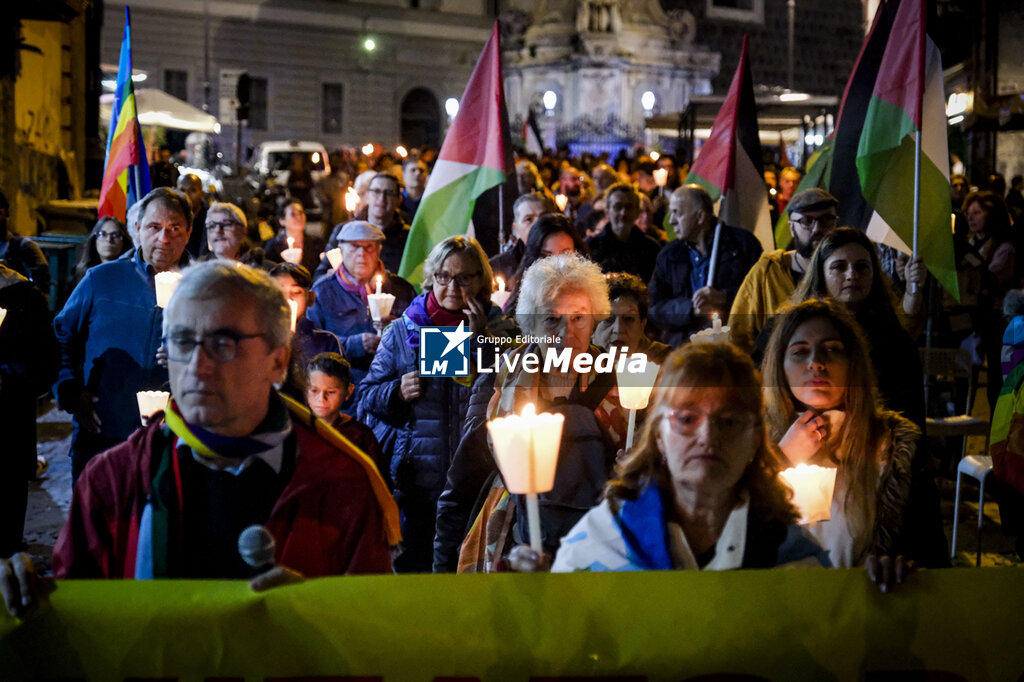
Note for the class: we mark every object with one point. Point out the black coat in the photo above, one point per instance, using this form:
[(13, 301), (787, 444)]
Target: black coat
[(671, 295)]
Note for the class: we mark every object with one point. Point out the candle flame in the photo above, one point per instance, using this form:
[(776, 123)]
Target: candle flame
[(402, 151), (661, 177), (351, 200), (291, 242), (501, 284), (368, 148), (562, 201), (529, 411)]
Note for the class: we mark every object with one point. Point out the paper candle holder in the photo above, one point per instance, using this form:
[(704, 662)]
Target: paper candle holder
[(3, 314), (334, 258), (635, 387), (293, 255), (380, 305), (500, 296), (812, 488), (151, 402), (166, 283), (526, 447)]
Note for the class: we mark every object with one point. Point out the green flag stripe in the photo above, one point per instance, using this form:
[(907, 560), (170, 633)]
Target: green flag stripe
[(442, 214), (885, 165)]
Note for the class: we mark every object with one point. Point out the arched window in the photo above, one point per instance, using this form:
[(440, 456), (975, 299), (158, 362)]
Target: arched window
[(421, 119)]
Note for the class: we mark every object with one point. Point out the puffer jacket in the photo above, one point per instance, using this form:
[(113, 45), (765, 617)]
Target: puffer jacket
[(420, 437)]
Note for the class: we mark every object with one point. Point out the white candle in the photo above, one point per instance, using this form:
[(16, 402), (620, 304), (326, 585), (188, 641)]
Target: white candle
[(380, 306), (562, 201), (380, 280), (716, 323), (526, 447), (500, 297), (151, 402), (351, 200), (635, 392), (291, 242), (3, 314), (812, 488), (294, 306), (166, 283), (661, 177), (334, 258)]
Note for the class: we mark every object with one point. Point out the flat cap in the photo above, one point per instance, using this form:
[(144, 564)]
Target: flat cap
[(361, 231), (813, 199)]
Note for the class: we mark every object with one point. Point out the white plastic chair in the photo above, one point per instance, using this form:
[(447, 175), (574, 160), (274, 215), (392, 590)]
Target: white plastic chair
[(978, 467)]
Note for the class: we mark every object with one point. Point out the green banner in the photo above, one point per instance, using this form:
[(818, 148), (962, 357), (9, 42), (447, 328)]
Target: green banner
[(809, 624)]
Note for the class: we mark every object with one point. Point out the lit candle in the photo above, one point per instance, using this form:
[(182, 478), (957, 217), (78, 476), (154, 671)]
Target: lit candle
[(334, 258), (3, 314), (500, 297), (526, 447), (294, 305), (293, 254), (634, 393), (562, 201), (812, 487), (166, 283), (716, 323), (401, 151), (291, 242), (351, 200), (380, 304), (380, 279), (151, 402), (661, 177)]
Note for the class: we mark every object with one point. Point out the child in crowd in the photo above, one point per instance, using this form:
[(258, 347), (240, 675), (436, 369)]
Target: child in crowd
[(307, 341), (328, 386)]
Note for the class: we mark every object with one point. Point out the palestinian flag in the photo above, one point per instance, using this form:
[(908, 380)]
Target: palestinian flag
[(729, 165), (125, 171), (473, 158), (907, 102)]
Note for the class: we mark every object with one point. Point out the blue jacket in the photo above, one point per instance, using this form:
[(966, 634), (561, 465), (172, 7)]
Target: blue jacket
[(109, 332), (344, 314), (421, 436), (671, 294)]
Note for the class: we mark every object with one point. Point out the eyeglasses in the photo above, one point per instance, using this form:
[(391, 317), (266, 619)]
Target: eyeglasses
[(110, 236), (223, 227), (687, 421), (368, 247), (445, 278), (382, 193), (826, 221), (219, 346)]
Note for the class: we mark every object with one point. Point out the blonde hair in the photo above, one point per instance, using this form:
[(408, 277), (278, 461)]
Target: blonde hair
[(460, 244), (693, 368)]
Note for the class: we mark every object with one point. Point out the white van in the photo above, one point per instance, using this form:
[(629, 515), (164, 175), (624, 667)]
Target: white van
[(273, 159)]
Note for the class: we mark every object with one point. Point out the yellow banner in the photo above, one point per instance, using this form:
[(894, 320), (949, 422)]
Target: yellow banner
[(811, 624)]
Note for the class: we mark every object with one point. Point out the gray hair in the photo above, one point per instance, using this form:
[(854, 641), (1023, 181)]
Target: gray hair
[(529, 198), (131, 222), (227, 207), (216, 279), (553, 275), (459, 244)]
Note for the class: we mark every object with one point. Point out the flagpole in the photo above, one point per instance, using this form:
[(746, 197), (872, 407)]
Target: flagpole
[(917, 197), (713, 262)]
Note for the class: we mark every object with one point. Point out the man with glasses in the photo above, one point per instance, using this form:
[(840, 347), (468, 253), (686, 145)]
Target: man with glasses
[(227, 453), (382, 199), (109, 330), (340, 303), (813, 213)]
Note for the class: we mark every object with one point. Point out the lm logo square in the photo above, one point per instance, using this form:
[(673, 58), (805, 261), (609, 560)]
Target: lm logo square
[(444, 351)]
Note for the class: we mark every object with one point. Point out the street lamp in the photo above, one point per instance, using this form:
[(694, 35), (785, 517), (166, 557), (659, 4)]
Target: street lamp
[(451, 106), (550, 99), (647, 101)]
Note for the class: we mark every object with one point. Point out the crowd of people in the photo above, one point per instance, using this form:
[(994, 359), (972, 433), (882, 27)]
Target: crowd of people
[(294, 408)]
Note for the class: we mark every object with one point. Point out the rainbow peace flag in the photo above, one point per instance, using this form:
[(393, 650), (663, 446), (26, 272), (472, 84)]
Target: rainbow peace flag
[(126, 171)]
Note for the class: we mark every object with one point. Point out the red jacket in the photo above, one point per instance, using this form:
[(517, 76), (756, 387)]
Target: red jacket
[(327, 521)]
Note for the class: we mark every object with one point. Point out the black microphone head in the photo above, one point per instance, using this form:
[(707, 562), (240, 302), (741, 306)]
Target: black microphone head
[(256, 546)]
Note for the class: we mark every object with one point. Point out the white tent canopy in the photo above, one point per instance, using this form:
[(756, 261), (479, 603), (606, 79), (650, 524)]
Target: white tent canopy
[(157, 108)]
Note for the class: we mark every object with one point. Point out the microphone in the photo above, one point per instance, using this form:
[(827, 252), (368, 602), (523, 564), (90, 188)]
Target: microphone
[(256, 547)]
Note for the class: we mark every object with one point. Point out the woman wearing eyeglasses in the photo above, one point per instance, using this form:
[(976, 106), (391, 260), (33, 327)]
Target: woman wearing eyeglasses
[(107, 241), (419, 419), (699, 491)]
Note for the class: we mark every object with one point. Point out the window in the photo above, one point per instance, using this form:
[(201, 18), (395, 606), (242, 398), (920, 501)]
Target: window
[(330, 112), (176, 84), (258, 104), (751, 11)]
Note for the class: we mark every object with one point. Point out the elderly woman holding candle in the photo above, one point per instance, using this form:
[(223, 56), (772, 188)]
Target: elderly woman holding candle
[(821, 406), (700, 489), (561, 299), (420, 419)]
